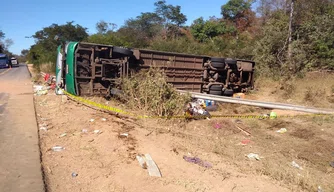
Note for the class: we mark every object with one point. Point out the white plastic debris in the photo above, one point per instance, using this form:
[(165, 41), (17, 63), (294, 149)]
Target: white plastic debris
[(294, 164), (62, 135), (124, 135), (91, 120), (58, 148), (104, 119), (320, 189), (282, 130), (253, 156), (84, 131), (97, 131)]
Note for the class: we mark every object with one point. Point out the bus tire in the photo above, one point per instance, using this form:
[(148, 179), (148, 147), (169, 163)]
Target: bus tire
[(122, 51), (215, 88), (216, 92), (217, 59)]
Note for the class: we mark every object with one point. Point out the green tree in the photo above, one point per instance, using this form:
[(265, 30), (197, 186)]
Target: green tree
[(171, 16), (239, 12), (24, 52), (207, 30), (45, 48), (140, 30), (5, 44), (234, 9)]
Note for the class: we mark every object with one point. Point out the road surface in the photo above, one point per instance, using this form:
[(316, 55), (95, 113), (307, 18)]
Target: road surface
[(20, 167)]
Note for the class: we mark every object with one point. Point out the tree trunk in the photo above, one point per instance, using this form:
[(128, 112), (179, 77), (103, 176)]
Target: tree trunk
[(290, 31)]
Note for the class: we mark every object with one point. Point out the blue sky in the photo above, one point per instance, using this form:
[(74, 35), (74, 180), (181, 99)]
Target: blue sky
[(20, 18)]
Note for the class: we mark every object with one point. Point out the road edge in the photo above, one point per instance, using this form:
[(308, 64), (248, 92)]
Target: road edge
[(39, 138)]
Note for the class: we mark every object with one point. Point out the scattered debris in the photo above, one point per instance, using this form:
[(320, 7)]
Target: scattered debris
[(264, 116), (245, 142), (43, 128), (62, 135), (41, 89), (123, 135), (242, 130), (239, 95), (282, 130), (273, 115), (84, 131), (146, 162), (210, 105), (57, 148), (253, 156), (91, 140), (91, 120), (149, 133), (238, 121), (217, 125), (97, 131), (331, 164), (294, 164), (320, 189), (64, 98), (104, 119), (38, 88), (197, 161), (74, 174), (197, 110), (141, 161), (42, 92)]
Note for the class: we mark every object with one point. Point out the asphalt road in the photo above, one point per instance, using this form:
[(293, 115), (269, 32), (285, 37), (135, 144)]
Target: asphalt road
[(20, 166)]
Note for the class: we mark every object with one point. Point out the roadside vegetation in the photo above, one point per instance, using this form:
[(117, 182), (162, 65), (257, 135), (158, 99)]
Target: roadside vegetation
[(149, 91), (285, 38)]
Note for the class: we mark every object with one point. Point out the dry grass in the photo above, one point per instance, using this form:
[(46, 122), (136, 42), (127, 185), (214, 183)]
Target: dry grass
[(149, 91), (47, 68), (315, 89)]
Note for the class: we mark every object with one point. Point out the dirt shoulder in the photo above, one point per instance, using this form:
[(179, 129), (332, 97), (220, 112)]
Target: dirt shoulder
[(96, 158), (107, 162)]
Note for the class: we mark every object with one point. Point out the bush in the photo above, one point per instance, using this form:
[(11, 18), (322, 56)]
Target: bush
[(150, 92)]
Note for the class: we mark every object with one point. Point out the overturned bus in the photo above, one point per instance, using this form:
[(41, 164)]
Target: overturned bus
[(96, 69)]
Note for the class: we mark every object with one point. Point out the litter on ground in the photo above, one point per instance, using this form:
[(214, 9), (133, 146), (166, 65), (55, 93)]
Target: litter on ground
[(282, 130), (294, 164), (124, 135), (58, 148), (197, 161), (253, 156), (146, 162), (197, 110)]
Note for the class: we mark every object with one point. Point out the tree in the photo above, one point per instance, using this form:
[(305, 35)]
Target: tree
[(24, 52), (207, 30), (239, 12), (234, 9), (5, 44), (45, 48), (172, 18), (102, 27), (140, 30), (170, 14), (2, 36)]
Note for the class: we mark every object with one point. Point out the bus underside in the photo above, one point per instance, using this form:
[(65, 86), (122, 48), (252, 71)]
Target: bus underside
[(95, 69)]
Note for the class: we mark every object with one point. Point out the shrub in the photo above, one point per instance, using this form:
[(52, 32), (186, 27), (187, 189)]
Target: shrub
[(150, 92)]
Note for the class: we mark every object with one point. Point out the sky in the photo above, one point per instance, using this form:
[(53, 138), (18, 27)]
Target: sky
[(22, 18)]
